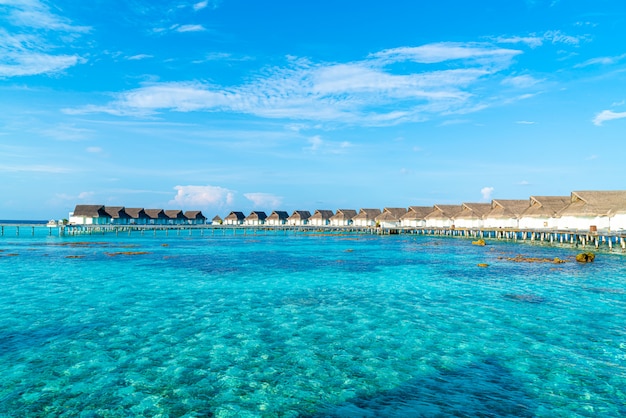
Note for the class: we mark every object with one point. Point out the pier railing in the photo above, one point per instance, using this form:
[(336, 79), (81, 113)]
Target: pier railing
[(611, 240)]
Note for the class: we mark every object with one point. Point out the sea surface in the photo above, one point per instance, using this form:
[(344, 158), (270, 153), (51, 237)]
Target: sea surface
[(306, 325)]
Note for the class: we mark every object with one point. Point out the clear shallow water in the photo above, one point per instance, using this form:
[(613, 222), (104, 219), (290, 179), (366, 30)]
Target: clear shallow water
[(310, 326)]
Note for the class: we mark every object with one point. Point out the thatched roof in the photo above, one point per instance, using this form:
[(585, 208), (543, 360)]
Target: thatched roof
[(322, 214), (174, 214), (392, 214), (417, 213), (444, 211), (278, 215), (194, 215), (545, 206), (216, 218), (300, 215), (256, 215), (343, 214), (368, 214), (510, 209), (116, 212), (595, 203), (135, 213), (90, 211), (155, 213), (235, 216)]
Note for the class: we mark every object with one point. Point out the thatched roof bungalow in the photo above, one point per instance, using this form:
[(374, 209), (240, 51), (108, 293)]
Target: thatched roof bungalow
[(505, 213), (217, 220), (277, 217), (472, 215), (299, 217), (321, 217), (542, 212), (234, 218), (156, 216), (89, 215), (593, 210), (366, 217), (194, 217), (343, 217), (442, 216), (137, 216), (118, 215), (415, 216), (255, 218), (390, 217)]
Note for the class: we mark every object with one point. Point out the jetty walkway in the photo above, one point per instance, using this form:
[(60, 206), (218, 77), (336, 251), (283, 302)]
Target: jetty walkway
[(613, 241)]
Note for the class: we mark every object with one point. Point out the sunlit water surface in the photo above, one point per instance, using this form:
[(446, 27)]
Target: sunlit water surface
[(290, 325)]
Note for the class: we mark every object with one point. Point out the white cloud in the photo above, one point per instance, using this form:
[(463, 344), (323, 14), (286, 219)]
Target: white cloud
[(601, 61), (524, 183), (190, 28), (536, 40), (140, 57), (94, 150), (521, 82), (486, 192), (264, 200), (367, 92), (606, 115), (202, 196), (525, 122), (40, 32), (531, 41), (200, 5), (318, 145)]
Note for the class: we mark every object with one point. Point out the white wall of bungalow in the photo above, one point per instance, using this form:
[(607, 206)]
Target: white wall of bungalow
[(343, 217), (321, 217), (366, 217), (618, 222), (592, 210)]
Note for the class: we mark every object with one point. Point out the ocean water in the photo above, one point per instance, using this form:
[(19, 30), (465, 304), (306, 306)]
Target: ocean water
[(306, 325)]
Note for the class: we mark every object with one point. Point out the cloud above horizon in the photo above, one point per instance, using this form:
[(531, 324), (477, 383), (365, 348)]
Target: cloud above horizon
[(264, 200), (203, 196), (450, 80)]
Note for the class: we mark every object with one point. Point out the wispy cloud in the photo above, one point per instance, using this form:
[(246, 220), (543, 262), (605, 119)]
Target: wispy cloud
[(521, 81), (139, 57), (366, 92), (202, 196), (200, 5), (601, 61), (189, 28), (318, 145), (30, 35), (264, 200), (525, 122), (536, 40), (607, 115)]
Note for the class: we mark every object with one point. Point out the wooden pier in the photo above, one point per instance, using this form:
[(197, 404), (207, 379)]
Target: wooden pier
[(606, 240)]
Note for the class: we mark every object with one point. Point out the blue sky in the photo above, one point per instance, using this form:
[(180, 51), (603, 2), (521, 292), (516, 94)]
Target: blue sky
[(283, 105)]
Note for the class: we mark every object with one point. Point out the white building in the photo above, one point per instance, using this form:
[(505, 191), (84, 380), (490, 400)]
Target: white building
[(415, 217), (505, 213), (343, 217), (390, 218), (542, 212), (472, 215), (366, 217), (442, 216), (321, 217), (593, 210)]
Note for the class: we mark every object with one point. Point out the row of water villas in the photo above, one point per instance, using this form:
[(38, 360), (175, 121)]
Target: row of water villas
[(581, 211)]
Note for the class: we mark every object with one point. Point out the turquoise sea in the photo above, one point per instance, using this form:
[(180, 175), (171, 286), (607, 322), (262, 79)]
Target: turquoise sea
[(306, 325)]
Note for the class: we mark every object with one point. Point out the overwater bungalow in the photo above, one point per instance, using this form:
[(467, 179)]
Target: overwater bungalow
[(442, 216), (156, 216), (234, 218), (137, 216), (366, 217), (194, 217), (118, 215), (89, 215), (255, 218), (472, 215), (542, 212), (390, 217), (594, 210), (343, 217), (321, 217), (415, 216), (277, 218), (505, 213), (217, 220), (299, 217)]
